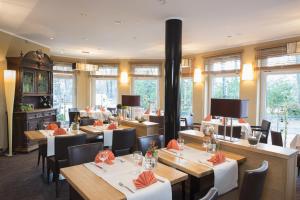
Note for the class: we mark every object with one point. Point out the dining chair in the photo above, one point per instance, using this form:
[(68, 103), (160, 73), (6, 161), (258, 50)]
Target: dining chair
[(144, 142), (60, 159), (264, 129), (236, 131), (212, 194), (83, 153), (187, 123), (253, 183), (86, 121), (72, 113), (123, 141), (276, 138), (43, 148)]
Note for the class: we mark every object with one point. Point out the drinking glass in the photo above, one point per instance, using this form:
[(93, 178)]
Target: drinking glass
[(206, 143), (138, 160), (103, 157), (180, 142)]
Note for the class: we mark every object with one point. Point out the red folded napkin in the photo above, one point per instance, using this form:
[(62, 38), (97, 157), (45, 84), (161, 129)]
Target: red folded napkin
[(112, 126), (207, 118), (98, 123), (145, 179), (52, 126), (59, 131), (241, 121), (218, 158), (109, 160), (173, 145)]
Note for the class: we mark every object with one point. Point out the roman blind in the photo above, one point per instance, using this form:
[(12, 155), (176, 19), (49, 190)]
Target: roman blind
[(227, 63), (106, 70), (151, 70)]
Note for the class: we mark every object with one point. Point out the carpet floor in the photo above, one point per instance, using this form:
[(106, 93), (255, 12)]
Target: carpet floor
[(21, 179)]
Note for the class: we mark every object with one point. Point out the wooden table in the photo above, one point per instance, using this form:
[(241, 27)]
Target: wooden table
[(38, 136), (142, 129), (201, 177), (92, 130), (280, 181), (92, 187)]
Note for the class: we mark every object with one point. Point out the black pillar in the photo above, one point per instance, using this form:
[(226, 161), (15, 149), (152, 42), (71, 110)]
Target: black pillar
[(172, 78)]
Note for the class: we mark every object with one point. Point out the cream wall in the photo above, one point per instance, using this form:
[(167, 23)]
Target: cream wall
[(10, 46)]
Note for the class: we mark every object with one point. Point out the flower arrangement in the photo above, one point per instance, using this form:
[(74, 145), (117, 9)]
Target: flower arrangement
[(152, 151)]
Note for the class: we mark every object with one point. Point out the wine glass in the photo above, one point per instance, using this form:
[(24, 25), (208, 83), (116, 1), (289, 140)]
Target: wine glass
[(138, 160), (45, 125), (180, 142), (103, 156), (206, 143)]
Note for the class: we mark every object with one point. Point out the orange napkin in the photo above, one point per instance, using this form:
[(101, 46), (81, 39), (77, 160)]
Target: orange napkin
[(207, 118), (98, 123), (102, 108), (241, 121), (218, 158), (59, 131), (109, 160), (52, 126), (112, 126), (173, 145), (145, 179), (147, 111)]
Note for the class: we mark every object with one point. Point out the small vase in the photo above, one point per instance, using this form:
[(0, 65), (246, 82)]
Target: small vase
[(75, 126)]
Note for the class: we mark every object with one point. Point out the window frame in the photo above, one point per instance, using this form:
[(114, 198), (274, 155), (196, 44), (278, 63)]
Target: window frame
[(93, 87), (191, 78)]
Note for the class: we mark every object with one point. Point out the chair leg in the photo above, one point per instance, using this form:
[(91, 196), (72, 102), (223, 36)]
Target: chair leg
[(39, 157), (43, 164), (48, 173), (56, 187)]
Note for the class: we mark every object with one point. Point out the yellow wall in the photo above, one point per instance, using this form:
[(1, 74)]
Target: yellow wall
[(10, 46)]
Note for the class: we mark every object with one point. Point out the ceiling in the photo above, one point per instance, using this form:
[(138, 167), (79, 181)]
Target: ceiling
[(136, 28)]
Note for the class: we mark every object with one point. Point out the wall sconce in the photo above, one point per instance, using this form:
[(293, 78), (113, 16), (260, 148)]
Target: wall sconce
[(9, 89), (197, 75), (124, 77), (248, 72)]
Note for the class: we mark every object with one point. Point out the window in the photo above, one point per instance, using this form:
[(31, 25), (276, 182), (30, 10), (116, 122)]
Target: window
[(64, 90), (186, 91), (105, 92), (224, 78), (146, 84), (281, 91), (105, 85)]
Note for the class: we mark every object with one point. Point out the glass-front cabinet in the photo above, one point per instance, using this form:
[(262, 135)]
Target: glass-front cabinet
[(28, 82), (43, 82), (35, 82)]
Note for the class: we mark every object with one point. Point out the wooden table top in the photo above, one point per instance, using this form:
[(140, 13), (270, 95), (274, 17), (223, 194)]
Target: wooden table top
[(92, 130), (92, 187), (38, 136), (190, 167)]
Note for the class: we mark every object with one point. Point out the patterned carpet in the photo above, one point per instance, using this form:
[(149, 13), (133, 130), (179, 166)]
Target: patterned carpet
[(20, 179)]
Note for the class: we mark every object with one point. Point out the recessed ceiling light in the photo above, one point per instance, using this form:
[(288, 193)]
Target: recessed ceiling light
[(85, 52), (82, 14), (162, 2), (118, 22), (51, 38), (229, 36), (84, 38), (134, 37)]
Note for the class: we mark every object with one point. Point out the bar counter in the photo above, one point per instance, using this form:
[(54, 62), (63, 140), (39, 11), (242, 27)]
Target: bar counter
[(280, 182)]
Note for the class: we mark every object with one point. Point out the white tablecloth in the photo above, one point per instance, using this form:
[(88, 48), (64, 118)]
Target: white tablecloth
[(125, 172), (100, 115), (245, 127), (225, 174)]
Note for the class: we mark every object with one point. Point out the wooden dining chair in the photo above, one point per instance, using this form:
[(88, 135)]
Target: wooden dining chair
[(43, 148), (145, 142), (264, 129), (123, 141), (276, 138), (212, 194), (60, 159), (84, 153), (253, 183)]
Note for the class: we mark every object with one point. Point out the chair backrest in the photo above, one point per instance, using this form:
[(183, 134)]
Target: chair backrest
[(253, 182), (265, 126), (160, 120), (276, 138), (112, 110), (123, 141), (72, 113), (145, 142), (236, 131), (63, 142), (212, 194), (83, 153), (86, 121)]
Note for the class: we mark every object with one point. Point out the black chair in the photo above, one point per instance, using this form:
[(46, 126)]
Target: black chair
[(123, 141), (145, 142), (86, 121), (276, 138), (83, 153), (43, 148), (236, 131), (187, 123), (113, 111), (212, 194), (72, 113), (60, 159), (264, 129), (253, 183)]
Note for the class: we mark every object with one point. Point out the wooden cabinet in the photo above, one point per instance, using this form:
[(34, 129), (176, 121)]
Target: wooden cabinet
[(34, 80)]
